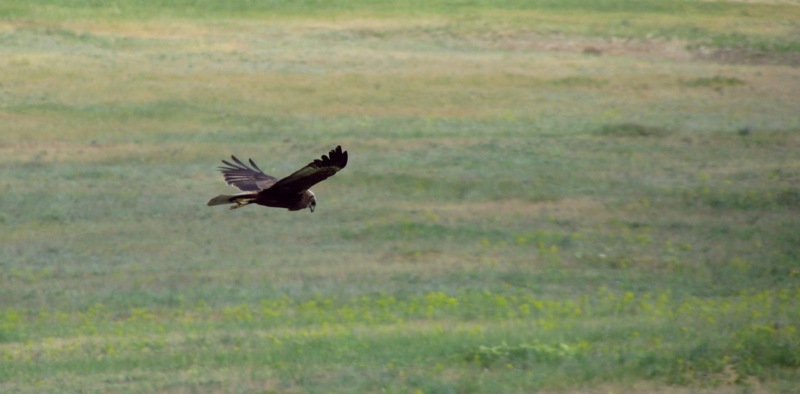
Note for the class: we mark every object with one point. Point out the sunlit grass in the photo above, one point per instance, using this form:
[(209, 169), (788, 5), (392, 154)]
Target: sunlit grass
[(676, 339)]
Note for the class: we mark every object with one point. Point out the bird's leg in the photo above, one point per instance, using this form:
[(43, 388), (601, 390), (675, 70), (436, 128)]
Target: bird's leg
[(241, 203)]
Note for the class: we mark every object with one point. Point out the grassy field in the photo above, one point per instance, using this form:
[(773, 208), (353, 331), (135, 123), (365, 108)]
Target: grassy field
[(556, 196)]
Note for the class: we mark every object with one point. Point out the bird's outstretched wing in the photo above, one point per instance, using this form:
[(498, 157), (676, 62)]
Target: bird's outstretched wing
[(313, 173), (239, 175)]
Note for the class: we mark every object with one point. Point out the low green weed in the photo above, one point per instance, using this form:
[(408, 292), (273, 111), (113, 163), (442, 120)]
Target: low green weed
[(525, 355)]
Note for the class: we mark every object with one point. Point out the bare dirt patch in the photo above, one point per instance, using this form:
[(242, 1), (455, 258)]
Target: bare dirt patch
[(673, 49), (747, 56)]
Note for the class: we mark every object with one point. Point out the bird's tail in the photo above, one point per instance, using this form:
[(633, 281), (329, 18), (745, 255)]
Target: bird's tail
[(239, 199)]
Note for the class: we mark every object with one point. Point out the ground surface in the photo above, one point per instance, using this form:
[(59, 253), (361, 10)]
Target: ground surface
[(541, 196)]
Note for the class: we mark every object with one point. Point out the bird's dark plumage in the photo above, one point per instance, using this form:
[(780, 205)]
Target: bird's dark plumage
[(245, 178), (291, 192)]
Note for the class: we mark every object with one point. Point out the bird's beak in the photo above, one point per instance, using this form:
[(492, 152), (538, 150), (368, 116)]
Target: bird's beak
[(312, 207)]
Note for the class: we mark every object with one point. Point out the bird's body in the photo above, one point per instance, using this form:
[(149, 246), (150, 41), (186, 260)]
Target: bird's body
[(292, 202), (291, 192)]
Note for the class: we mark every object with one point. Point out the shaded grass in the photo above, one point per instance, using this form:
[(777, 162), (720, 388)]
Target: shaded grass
[(632, 130), (716, 82)]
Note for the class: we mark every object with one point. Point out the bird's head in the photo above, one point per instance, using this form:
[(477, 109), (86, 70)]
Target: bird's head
[(312, 205)]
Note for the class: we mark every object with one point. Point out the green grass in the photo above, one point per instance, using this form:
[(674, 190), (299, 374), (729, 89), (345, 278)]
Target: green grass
[(554, 196)]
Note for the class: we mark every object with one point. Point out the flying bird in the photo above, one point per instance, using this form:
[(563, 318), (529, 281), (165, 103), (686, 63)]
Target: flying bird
[(291, 192)]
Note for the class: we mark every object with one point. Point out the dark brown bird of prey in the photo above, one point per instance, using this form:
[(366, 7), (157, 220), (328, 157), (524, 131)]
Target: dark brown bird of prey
[(291, 192)]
